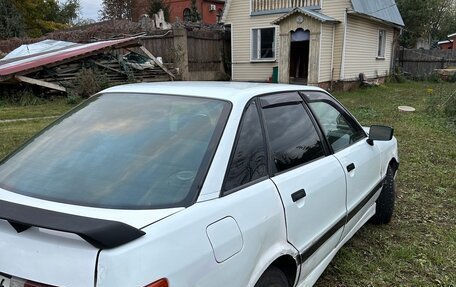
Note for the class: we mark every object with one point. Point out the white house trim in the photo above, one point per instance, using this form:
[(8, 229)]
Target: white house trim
[(342, 64)]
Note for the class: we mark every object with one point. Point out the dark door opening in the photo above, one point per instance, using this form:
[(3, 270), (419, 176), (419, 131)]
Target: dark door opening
[(299, 56)]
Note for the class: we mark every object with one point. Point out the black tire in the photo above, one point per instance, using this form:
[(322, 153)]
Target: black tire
[(385, 202), (273, 277)]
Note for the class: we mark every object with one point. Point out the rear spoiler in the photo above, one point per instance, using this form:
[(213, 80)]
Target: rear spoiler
[(103, 234)]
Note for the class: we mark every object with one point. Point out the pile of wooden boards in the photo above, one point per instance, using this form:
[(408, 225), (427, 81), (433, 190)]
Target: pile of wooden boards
[(116, 69)]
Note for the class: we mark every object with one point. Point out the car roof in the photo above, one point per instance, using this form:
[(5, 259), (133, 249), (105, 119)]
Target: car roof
[(231, 91)]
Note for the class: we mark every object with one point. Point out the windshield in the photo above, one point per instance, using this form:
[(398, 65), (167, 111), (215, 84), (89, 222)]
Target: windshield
[(126, 151)]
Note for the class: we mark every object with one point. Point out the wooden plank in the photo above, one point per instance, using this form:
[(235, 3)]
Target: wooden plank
[(40, 83), (109, 68), (149, 54)]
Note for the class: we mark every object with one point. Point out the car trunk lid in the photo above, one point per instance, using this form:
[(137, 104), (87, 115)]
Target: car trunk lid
[(58, 244)]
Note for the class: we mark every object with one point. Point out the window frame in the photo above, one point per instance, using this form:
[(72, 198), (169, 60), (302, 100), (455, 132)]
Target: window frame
[(226, 192), (341, 109), (272, 170), (274, 45), (326, 149), (381, 44)]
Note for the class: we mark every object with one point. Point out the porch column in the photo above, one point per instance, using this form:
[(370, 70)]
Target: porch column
[(314, 57), (284, 58)]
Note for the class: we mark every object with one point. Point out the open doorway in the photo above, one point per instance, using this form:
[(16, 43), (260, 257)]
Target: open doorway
[(299, 56)]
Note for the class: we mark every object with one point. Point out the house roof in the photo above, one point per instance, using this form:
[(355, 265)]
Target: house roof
[(444, 42), (307, 12), (384, 10), (23, 65), (452, 35), (225, 10)]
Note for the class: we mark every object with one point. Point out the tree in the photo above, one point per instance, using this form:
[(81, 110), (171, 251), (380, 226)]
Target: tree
[(156, 6), (436, 18), (116, 9), (11, 21), (43, 16), (195, 15)]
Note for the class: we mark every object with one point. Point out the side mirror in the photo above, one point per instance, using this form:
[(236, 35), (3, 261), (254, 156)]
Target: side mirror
[(380, 133)]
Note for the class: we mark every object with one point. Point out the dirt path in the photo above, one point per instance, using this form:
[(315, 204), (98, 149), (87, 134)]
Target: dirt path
[(27, 119)]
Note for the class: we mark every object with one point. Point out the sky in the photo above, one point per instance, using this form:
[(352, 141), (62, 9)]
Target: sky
[(90, 8)]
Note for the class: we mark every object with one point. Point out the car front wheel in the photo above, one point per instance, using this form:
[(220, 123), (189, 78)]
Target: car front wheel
[(385, 202), (273, 277)]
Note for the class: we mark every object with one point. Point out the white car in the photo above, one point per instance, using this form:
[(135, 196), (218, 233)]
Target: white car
[(192, 184)]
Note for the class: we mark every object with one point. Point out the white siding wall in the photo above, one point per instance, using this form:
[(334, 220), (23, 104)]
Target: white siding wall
[(326, 50), (336, 9), (241, 24), (361, 50)]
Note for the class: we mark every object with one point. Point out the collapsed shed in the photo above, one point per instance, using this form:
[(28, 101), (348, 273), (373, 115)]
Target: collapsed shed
[(56, 65)]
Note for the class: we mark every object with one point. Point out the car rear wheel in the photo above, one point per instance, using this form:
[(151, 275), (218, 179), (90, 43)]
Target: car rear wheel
[(273, 277), (385, 202)]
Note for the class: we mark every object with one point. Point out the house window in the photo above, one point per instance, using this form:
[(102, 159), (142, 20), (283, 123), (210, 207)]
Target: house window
[(381, 43), (263, 44), (187, 15)]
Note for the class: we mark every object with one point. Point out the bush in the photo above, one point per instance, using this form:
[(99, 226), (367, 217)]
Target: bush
[(434, 78), (73, 98), (88, 83)]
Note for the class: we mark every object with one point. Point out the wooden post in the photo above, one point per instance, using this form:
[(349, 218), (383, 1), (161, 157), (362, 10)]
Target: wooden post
[(181, 52), (284, 57)]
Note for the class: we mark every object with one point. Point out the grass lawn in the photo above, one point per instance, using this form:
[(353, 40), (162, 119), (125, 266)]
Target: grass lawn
[(418, 248)]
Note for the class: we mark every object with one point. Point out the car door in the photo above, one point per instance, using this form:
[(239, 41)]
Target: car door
[(359, 159), (311, 182)]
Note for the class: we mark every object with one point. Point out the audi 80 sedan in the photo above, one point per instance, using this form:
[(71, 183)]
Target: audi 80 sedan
[(192, 184)]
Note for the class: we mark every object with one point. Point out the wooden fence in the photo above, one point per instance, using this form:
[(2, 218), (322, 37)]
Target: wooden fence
[(423, 63), (199, 55)]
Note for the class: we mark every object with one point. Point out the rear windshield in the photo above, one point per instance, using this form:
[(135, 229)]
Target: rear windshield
[(126, 151)]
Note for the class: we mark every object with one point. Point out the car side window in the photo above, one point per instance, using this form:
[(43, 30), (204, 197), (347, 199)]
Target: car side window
[(248, 161), (337, 129), (292, 135)]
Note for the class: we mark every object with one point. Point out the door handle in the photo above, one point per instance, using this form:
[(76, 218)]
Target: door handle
[(350, 167), (298, 195)]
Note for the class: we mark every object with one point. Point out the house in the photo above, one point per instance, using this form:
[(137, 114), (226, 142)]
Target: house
[(180, 10), (424, 42), (317, 42), (449, 43), (446, 45)]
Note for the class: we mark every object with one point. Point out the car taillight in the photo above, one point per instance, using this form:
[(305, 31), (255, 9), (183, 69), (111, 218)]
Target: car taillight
[(19, 282), (160, 283)]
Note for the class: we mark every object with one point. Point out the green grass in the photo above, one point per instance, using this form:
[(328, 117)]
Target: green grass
[(12, 134), (44, 109), (418, 248)]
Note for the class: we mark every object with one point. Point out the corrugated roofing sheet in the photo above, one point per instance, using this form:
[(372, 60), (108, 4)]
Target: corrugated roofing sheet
[(307, 12), (37, 48), (385, 10), (23, 64)]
